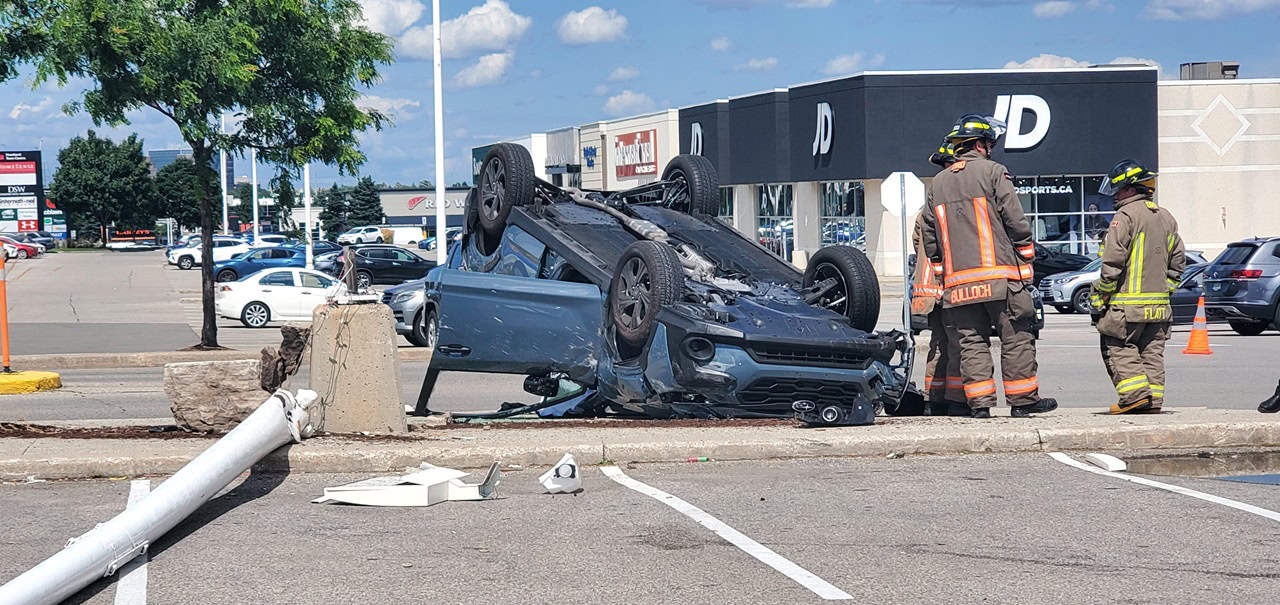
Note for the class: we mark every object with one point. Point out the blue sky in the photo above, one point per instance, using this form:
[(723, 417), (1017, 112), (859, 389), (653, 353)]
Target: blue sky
[(519, 66)]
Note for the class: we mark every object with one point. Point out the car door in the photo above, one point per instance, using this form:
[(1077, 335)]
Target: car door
[(406, 265), (279, 290), (375, 261), (312, 291), (518, 325), (1186, 297)]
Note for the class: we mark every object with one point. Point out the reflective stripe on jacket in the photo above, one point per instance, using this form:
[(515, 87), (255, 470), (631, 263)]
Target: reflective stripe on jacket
[(926, 288), (1142, 261), (975, 232)]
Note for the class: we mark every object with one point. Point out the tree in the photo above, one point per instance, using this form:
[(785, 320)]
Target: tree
[(365, 207), (333, 213), (177, 187), (288, 68), (460, 185), (286, 197), (101, 183)]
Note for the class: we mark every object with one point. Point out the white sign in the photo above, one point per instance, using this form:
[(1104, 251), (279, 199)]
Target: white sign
[(823, 132), (892, 188), (695, 138), (1010, 108), (20, 201), (28, 214)]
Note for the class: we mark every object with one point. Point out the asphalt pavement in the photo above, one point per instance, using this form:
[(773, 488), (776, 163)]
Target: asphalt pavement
[(942, 529)]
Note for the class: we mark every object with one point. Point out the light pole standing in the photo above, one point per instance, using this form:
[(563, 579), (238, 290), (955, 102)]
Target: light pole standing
[(253, 162), (306, 205), (222, 177), (441, 244)]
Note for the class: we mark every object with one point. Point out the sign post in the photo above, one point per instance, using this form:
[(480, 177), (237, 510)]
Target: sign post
[(253, 162), (4, 315), (222, 177)]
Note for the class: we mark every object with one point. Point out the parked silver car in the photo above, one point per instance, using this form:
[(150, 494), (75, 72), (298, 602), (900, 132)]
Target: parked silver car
[(405, 301), (1069, 292)]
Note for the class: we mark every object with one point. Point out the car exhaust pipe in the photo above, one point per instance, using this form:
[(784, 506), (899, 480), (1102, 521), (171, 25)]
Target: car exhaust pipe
[(101, 551)]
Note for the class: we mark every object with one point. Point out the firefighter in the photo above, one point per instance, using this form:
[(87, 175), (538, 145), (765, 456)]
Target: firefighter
[(980, 244), (1142, 261), (943, 387)]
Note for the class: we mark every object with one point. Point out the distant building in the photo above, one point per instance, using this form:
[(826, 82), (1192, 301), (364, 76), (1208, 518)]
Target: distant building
[(159, 158)]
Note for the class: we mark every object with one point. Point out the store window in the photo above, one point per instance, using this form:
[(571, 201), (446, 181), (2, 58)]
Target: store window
[(774, 218), (726, 205), (1067, 213), (844, 214)]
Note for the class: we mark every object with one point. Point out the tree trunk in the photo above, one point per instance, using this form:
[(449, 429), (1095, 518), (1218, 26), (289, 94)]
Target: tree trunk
[(202, 155)]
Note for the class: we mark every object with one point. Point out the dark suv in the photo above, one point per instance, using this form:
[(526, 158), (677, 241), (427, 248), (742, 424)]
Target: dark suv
[(1243, 284)]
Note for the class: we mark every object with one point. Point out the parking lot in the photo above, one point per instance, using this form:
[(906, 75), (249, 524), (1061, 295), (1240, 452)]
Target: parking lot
[(928, 529)]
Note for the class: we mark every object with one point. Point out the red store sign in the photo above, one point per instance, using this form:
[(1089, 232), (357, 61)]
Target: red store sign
[(636, 153)]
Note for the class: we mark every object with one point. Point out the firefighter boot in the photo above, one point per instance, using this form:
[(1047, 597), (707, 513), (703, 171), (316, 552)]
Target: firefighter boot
[(980, 413), (1272, 404), (1127, 408), (1048, 404)]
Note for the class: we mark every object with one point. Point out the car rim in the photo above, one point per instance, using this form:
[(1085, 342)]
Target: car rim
[(257, 315), (836, 298), (363, 280), (226, 276), (493, 190), (634, 295), (22, 254), (432, 332), (677, 193)]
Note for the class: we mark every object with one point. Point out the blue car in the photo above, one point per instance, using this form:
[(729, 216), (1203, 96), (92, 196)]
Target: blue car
[(652, 306), (257, 259)]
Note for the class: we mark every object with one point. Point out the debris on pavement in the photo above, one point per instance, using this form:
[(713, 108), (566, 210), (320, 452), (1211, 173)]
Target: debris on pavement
[(563, 478), (431, 485)]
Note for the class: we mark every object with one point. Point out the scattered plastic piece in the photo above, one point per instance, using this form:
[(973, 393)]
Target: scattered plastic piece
[(432, 485), (563, 478), (699, 459), (1106, 462)]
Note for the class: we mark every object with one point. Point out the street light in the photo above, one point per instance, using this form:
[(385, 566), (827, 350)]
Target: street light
[(441, 244)]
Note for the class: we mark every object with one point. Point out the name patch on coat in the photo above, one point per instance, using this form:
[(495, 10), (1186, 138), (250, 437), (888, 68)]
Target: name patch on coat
[(964, 294)]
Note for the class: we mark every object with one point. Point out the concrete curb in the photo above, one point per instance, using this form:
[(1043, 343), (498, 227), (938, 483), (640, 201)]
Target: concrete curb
[(476, 448), (154, 359)]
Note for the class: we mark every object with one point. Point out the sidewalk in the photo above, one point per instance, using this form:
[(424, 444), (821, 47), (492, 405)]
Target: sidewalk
[(617, 442)]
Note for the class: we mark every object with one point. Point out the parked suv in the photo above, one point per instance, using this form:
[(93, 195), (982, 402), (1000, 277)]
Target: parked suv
[(1243, 284), (384, 264)]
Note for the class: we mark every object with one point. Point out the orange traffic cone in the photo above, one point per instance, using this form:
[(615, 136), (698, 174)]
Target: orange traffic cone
[(1199, 343)]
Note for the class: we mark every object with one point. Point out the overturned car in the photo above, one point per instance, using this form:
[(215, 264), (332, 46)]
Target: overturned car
[(654, 306)]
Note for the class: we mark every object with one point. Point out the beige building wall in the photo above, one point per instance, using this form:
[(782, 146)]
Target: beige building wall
[(593, 149), (1220, 159)]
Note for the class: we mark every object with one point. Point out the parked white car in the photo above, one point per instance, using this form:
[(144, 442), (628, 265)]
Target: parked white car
[(361, 235), (10, 251), (275, 295), (223, 249), (273, 239)]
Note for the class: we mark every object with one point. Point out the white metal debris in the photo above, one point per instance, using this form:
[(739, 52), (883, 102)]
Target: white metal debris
[(563, 477), (432, 485)]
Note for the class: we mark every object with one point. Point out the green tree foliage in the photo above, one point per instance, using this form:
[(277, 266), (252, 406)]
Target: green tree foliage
[(102, 183), (365, 207), (285, 196), (289, 68), (333, 213), (177, 187), (460, 185)]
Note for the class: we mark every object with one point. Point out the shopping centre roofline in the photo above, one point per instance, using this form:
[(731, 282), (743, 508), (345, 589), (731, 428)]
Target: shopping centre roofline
[(1219, 82)]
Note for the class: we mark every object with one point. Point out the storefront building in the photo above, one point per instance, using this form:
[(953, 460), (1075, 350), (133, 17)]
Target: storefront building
[(418, 207)]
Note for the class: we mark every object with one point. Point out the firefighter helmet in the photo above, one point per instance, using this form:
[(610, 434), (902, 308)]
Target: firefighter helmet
[(944, 156), (972, 126), (1127, 173)]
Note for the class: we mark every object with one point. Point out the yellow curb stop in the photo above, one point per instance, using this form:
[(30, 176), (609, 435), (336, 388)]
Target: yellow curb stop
[(29, 381)]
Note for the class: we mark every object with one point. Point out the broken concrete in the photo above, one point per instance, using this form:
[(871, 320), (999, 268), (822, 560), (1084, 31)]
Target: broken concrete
[(356, 370), (212, 395)]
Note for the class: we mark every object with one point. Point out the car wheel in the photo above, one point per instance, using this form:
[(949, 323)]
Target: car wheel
[(186, 262), (255, 315), (693, 186), (1065, 309), (1080, 301), (378, 240), (22, 254), (648, 278), (363, 279), (506, 181), (1248, 328), (911, 404), (856, 293), (227, 275), (417, 335)]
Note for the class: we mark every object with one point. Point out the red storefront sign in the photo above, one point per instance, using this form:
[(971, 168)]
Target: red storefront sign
[(636, 153)]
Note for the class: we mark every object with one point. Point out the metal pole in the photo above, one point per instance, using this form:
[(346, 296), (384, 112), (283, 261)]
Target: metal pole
[(306, 204), (4, 315), (906, 272), (222, 177), (253, 161), (441, 244)]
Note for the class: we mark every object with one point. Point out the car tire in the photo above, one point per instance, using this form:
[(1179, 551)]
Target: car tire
[(22, 254), (648, 278), (185, 263), (417, 335), (694, 186), (1248, 328), (1065, 309), (227, 275), (1080, 301), (255, 315), (507, 180), (364, 279), (378, 240), (857, 284)]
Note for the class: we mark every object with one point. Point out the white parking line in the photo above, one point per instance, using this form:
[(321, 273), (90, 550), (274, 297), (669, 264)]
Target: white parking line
[(761, 552), (131, 586), (1248, 508)]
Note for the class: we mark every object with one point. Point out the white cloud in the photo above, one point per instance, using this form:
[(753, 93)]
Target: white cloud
[(590, 25), (1050, 10), (488, 27), (629, 102), (30, 110), (623, 73), (390, 17), (535, 74), (600, 90), (764, 64), (809, 3), (1047, 61), (1176, 10), (847, 64), (389, 106), (721, 44), (486, 70)]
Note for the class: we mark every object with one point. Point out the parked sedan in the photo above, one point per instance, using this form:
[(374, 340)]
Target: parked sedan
[(275, 295), (384, 264), (23, 249), (43, 238), (405, 301), (258, 259)]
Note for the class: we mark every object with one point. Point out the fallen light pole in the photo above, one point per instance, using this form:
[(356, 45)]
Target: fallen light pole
[(104, 549)]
